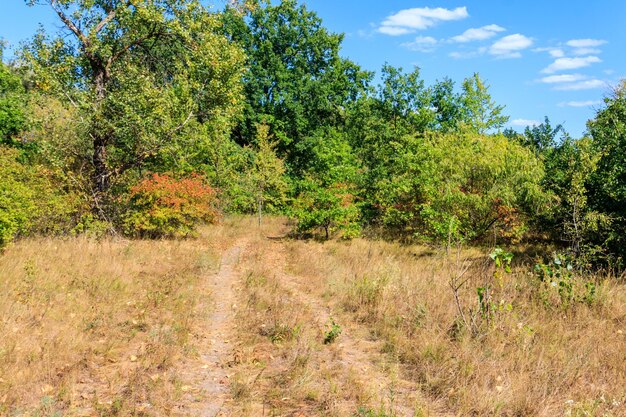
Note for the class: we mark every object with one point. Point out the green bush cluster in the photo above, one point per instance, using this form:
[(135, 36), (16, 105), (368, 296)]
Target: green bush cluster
[(330, 209), (260, 102), (460, 187), (29, 200)]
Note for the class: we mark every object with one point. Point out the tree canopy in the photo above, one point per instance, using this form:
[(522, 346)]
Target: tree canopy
[(139, 115), (144, 76)]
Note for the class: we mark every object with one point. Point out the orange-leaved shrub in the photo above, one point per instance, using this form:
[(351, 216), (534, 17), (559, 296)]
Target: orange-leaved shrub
[(163, 206)]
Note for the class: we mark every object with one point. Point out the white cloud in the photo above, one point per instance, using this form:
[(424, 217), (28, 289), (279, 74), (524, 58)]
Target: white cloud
[(562, 78), (422, 44), (585, 43), (586, 51), (419, 18), (586, 103), (478, 34), (561, 64), (582, 85), (554, 52), (465, 54), (509, 46), (394, 30), (525, 122)]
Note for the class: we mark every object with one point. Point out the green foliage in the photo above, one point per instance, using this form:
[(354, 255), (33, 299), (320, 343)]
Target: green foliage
[(459, 187), (447, 105), (543, 137), (404, 102), (29, 201), (296, 82), (148, 80), (559, 286), (479, 113), (333, 332), (502, 259), (162, 206), (608, 181), (17, 199), (267, 174), (570, 166), (332, 159), (12, 105), (226, 166), (330, 208), (487, 306)]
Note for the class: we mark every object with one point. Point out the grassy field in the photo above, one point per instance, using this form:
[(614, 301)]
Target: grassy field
[(98, 327), (359, 328)]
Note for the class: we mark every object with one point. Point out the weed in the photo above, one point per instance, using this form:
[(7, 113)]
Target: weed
[(369, 412), (239, 389), (559, 286), (279, 332), (333, 332)]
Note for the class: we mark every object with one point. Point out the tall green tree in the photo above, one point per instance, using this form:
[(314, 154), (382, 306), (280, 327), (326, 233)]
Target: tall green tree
[(267, 174), (447, 105), (404, 101), (12, 104), (297, 82), (543, 136), (143, 74), (608, 188), (570, 166), (479, 113), (400, 105)]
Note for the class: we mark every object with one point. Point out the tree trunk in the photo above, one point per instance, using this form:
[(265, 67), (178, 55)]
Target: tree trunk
[(100, 137), (100, 175)]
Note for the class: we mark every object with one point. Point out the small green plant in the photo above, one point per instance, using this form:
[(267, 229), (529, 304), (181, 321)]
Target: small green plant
[(502, 260), (487, 307), (558, 285), (368, 412), (483, 300), (333, 332)]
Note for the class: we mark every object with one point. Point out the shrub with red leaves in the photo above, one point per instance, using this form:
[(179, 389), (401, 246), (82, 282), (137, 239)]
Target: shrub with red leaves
[(163, 206)]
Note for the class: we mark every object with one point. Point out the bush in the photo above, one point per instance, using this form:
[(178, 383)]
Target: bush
[(330, 209), (163, 206), (460, 187), (12, 117), (29, 201), (17, 200)]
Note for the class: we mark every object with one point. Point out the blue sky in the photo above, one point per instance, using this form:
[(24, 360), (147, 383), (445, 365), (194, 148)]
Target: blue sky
[(554, 58)]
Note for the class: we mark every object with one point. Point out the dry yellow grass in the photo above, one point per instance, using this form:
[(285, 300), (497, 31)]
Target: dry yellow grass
[(117, 327), (284, 368), (96, 327), (535, 359)]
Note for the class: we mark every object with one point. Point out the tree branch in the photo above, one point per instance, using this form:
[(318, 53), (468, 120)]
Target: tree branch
[(104, 22), (71, 25), (136, 42), (110, 16)]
